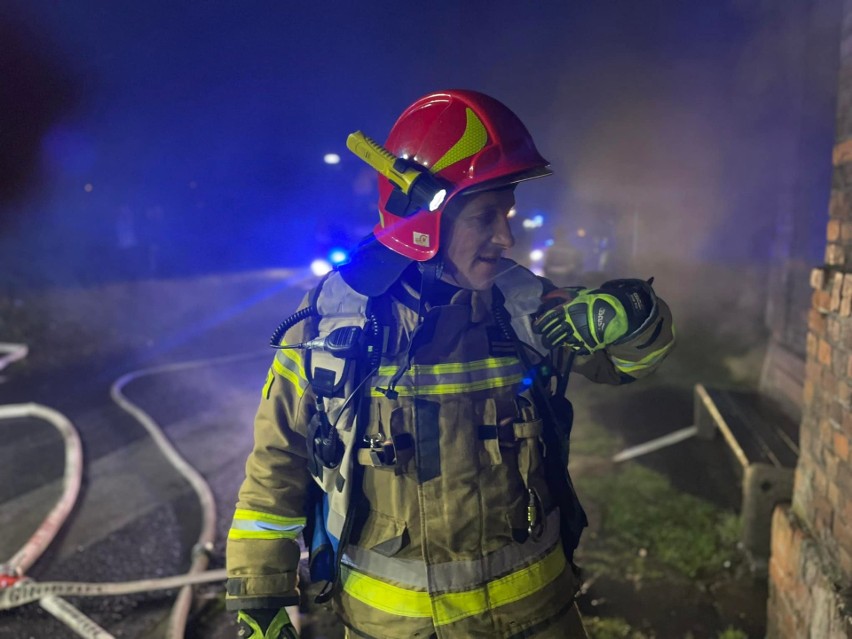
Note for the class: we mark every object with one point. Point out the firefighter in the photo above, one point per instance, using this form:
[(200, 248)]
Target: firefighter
[(412, 428)]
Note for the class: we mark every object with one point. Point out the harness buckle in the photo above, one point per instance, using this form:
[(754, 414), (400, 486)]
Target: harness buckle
[(380, 451), (535, 515)]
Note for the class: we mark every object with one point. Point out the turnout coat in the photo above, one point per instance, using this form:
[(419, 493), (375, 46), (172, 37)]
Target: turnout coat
[(454, 531)]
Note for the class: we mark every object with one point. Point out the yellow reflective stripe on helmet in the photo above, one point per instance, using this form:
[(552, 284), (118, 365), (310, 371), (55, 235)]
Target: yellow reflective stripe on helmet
[(453, 367), (450, 389), (453, 606), (253, 524), (472, 141), (288, 364), (626, 366)]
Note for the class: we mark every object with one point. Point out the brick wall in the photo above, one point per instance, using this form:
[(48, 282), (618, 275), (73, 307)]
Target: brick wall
[(801, 202), (811, 564)]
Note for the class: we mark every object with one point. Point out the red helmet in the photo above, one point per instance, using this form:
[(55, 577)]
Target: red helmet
[(470, 142)]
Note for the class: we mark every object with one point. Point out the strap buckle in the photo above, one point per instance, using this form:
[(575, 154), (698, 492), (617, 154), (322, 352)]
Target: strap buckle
[(380, 451)]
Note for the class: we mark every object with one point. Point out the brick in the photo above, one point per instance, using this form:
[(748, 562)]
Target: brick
[(823, 517), (803, 490), (841, 446), (805, 438), (834, 255), (849, 368), (782, 623), (821, 300), (813, 369), (817, 278), (841, 178), (831, 462), (845, 558), (844, 479), (836, 411), (838, 205), (786, 545), (838, 364), (808, 392), (826, 433), (824, 353), (820, 486), (846, 232), (834, 498), (836, 290), (842, 152), (833, 327), (816, 321), (832, 232), (844, 396), (828, 382), (842, 532), (810, 346)]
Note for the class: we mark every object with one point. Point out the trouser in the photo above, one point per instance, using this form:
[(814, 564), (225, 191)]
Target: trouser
[(570, 626)]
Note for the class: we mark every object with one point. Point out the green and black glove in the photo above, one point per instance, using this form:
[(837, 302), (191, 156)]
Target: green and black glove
[(264, 623), (596, 318)]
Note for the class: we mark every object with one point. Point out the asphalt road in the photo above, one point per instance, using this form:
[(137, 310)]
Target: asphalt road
[(136, 517)]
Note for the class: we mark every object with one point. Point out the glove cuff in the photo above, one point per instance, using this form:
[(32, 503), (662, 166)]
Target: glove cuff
[(265, 623), (639, 302)]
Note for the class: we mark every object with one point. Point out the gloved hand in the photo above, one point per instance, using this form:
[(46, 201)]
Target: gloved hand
[(593, 319), (264, 623)]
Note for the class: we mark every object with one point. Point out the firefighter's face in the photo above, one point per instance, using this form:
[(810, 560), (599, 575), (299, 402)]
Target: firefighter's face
[(475, 232)]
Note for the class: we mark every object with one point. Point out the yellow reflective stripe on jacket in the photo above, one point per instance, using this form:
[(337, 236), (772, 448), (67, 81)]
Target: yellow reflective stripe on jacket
[(288, 364), (452, 367), (627, 366), (453, 377), (451, 389), (253, 524), (449, 607)]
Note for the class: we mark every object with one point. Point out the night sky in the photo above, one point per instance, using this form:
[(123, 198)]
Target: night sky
[(162, 139)]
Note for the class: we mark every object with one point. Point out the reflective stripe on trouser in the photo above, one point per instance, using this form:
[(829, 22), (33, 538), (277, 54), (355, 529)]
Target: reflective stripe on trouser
[(528, 598), (567, 626)]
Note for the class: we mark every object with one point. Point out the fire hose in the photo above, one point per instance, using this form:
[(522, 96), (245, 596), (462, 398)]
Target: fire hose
[(17, 590)]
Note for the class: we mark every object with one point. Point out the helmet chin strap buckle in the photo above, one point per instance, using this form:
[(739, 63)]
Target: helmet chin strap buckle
[(431, 270)]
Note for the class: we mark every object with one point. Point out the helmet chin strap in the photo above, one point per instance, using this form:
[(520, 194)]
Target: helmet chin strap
[(430, 272)]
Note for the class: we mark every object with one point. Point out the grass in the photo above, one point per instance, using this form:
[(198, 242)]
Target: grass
[(644, 516), (610, 628)]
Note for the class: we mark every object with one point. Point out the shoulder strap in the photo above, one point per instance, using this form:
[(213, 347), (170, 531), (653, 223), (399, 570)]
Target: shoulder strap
[(571, 514)]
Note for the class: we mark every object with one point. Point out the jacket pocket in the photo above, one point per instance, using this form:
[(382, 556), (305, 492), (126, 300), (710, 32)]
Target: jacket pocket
[(382, 534)]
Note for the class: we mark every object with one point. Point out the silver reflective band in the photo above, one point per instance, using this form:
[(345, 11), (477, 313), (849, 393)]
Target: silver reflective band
[(454, 576), (246, 524)]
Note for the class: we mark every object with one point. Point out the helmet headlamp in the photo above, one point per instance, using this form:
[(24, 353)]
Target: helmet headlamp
[(416, 187)]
